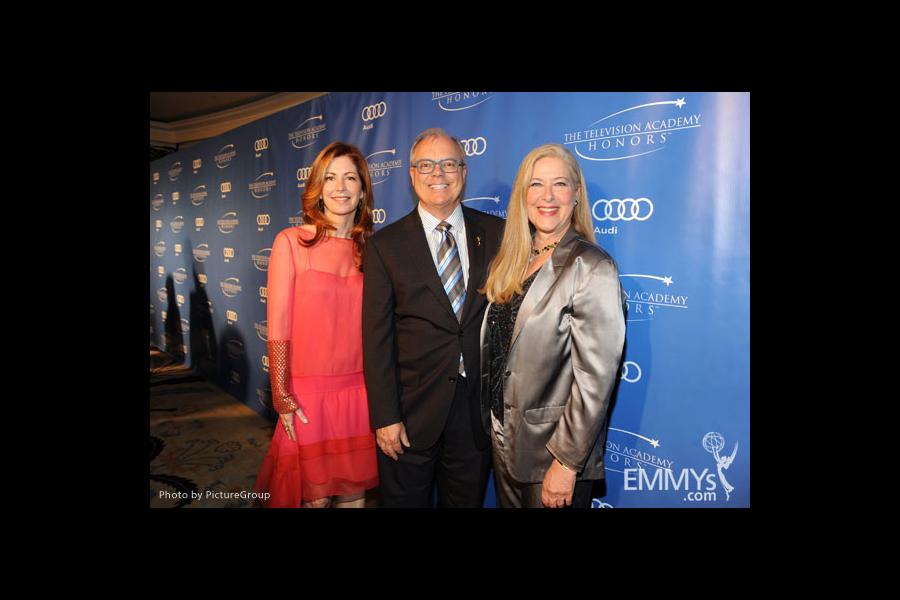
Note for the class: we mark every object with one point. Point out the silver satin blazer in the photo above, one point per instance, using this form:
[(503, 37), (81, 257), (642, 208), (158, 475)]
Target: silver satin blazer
[(563, 364)]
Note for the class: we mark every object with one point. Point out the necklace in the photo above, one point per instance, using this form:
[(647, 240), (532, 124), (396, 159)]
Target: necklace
[(548, 247)]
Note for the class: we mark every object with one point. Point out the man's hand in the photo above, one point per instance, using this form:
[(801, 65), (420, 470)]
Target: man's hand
[(389, 439)]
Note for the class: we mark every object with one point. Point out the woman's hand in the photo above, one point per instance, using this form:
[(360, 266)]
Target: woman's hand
[(559, 483), (287, 421)]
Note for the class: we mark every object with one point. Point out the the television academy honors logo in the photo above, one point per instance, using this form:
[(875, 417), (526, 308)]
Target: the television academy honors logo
[(491, 210), (262, 330), (228, 222), (633, 131), (263, 185), (645, 304), (230, 287), (307, 132), (201, 252), (454, 101), (380, 168), (198, 195), (225, 156), (260, 259)]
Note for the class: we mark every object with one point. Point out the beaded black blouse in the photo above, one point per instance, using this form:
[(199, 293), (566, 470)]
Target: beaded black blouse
[(501, 322)]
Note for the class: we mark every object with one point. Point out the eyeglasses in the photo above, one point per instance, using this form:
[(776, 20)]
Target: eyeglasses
[(448, 165)]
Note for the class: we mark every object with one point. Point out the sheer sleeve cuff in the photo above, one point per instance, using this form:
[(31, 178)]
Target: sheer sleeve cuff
[(280, 376)]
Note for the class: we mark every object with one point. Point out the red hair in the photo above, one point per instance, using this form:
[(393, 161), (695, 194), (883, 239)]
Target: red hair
[(362, 222)]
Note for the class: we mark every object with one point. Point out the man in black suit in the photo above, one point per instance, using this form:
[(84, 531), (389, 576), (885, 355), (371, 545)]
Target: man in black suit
[(421, 322)]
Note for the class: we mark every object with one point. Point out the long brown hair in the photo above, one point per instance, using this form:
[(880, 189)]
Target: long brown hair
[(506, 270), (312, 213)]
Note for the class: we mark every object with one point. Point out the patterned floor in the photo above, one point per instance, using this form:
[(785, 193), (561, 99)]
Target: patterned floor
[(205, 446)]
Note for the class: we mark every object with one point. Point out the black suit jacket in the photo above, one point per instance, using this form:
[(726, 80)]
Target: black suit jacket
[(411, 338)]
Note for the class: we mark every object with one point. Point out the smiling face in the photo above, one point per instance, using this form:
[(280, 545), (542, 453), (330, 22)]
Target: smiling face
[(551, 197), (342, 188), (439, 192)]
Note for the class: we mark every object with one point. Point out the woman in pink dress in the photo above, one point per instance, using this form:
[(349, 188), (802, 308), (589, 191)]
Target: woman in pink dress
[(323, 451)]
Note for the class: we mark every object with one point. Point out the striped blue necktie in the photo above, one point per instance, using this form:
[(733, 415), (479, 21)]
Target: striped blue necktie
[(450, 271)]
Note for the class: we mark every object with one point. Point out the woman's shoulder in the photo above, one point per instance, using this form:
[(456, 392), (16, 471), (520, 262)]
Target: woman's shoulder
[(591, 254), (298, 231)]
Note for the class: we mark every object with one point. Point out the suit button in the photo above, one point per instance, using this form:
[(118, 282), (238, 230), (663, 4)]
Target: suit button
[(452, 379), (507, 374), (460, 333)]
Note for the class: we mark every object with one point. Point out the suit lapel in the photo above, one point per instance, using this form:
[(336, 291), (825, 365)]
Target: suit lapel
[(545, 279), (475, 242)]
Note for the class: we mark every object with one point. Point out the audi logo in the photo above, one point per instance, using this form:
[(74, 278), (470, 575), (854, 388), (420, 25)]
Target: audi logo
[(303, 173), (263, 220), (379, 215), (626, 371), (627, 209), (260, 145), (374, 111), (474, 146)]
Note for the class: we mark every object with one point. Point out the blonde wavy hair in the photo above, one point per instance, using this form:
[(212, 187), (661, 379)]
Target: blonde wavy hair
[(506, 270)]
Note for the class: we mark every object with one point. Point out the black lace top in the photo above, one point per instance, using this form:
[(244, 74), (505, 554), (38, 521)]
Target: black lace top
[(501, 321)]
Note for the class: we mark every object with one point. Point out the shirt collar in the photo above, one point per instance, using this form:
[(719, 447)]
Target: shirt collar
[(431, 222)]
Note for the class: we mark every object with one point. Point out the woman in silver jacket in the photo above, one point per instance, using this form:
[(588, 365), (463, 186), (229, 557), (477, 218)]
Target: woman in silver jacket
[(551, 340)]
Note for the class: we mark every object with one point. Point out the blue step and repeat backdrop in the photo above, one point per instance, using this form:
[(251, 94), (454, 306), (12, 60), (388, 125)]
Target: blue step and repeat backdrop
[(668, 178)]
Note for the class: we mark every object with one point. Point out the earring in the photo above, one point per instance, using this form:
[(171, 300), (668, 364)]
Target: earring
[(576, 202)]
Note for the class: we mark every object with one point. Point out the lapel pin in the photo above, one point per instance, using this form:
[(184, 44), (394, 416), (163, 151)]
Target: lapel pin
[(477, 240)]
